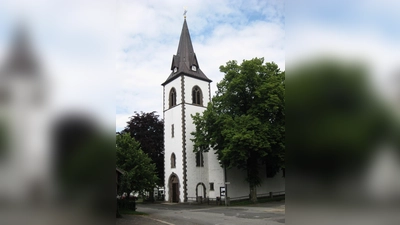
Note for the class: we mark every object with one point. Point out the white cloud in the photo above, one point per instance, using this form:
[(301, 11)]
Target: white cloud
[(81, 42), (148, 36), (365, 43), (74, 43)]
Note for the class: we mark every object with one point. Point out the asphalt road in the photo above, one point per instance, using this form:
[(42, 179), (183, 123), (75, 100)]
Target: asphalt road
[(271, 213)]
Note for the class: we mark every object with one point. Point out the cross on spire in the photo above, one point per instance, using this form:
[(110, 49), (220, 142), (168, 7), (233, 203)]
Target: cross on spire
[(184, 12)]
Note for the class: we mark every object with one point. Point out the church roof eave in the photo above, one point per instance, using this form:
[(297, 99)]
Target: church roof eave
[(173, 76)]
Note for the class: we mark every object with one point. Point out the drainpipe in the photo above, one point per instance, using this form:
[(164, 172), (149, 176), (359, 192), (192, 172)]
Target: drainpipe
[(226, 186)]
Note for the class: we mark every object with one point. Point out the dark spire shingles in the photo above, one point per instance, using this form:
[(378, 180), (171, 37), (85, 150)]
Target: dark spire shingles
[(185, 58), (21, 60)]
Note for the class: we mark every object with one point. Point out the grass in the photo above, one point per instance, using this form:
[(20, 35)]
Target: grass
[(131, 212), (139, 200), (259, 200)]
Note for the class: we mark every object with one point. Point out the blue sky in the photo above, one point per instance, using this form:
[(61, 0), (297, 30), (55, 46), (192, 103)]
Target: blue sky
[(112, 56), (351, 31), (74, 42), (148, 36)]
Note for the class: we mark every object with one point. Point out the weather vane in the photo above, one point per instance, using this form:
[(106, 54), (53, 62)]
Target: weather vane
[(184, 12)]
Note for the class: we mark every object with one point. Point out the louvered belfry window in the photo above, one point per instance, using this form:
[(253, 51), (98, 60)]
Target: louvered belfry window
[(172, 98), (197, 96)]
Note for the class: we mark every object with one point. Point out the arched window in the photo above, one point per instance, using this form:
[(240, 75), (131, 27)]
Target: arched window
[(173, 160), (197, 96), (172, 98), (199, 159)]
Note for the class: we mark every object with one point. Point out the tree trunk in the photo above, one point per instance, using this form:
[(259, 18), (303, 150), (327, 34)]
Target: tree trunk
[(252, 176), (253, 194), (151, 196)]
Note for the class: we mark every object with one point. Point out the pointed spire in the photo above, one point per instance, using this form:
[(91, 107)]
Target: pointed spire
[(185, 47), (185, 60), (21, 59)]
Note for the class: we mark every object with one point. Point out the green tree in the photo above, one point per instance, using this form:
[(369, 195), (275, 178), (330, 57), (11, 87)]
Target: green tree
[(336, 120), (148, 130), (245, 121), (139, 171)]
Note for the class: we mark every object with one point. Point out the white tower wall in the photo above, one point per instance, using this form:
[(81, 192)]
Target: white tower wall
[(173, 116)]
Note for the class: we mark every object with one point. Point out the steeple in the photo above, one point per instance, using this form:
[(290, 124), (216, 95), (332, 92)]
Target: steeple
[(21, 60), (185, 61)]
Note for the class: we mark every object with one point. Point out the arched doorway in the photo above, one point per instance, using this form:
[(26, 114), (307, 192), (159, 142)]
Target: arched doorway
[(173, 188), (200, 191)]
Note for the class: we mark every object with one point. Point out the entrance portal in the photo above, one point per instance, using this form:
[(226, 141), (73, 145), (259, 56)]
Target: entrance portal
[(200, 191), (173, 186)]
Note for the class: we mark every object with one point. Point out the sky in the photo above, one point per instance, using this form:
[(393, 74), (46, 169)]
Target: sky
[(148, 36), (110, 57), (74, 44), (365, 32)]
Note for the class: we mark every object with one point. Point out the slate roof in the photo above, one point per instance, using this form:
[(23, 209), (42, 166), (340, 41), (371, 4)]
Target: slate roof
[(185, 58)]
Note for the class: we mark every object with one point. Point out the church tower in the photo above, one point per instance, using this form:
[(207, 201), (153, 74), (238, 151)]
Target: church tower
[(186, 92), (23, 116)]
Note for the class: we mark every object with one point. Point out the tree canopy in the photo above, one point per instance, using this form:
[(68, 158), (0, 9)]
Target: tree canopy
[(148, 130), (336, 118), (245, 122), (139, 171)]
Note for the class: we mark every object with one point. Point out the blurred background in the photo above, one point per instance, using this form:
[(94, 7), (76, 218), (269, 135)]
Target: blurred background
[(57, 116), (57, 112), (343, 107)]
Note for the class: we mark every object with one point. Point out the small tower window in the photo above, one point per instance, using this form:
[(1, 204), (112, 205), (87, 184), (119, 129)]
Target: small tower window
[(172, 98), (194, 68), (199, 159), (175, 69), (172, 130), (211, 186), (197, 96), (173, 160), (271, 172)]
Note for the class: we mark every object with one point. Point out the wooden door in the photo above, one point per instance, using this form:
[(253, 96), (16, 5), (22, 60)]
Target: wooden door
[(175, 192)]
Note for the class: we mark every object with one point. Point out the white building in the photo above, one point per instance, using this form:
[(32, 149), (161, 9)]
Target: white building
[(189, 175), (24, 166)]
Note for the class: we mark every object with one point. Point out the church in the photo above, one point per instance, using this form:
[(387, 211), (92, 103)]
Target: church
[(192, 176)]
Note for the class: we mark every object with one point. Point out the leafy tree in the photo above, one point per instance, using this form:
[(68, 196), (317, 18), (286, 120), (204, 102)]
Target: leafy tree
[(245, 121), (84, 160), (336, 118), (148, 130), (139, 171)]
